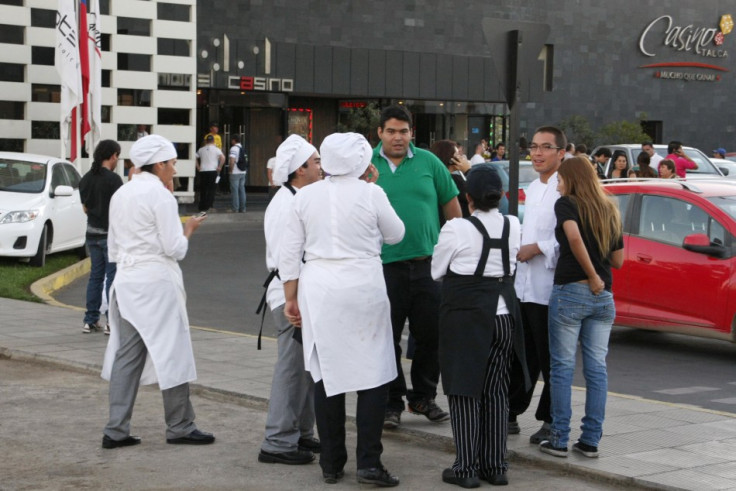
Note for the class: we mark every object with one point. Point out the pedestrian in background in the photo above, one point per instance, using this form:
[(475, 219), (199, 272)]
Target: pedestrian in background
[(479, 318), (581, 307), (210, 160), (96, 189), (149, 327), (237, 176), (339, 298)]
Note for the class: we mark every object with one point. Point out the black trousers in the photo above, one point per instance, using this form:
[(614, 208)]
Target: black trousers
[(480, 426), (207, 188), (536, 339), (414, 295), (330, 415)]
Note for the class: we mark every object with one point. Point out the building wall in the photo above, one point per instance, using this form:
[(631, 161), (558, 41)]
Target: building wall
[(597, 62), (124, 114)]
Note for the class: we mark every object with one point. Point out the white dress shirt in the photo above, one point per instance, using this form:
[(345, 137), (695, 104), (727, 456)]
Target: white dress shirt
[(274, 223), (460, 245), (534, 278)]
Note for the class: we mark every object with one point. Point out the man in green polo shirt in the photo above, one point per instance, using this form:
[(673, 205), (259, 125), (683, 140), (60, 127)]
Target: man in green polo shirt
[(415, 181)]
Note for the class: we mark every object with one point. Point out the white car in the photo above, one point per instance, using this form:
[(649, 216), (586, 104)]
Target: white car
[(40, 208)]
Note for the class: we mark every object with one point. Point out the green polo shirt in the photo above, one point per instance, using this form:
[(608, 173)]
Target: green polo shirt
[(420, 183)]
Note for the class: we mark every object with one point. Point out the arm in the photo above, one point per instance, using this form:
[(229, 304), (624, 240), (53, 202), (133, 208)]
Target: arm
[(233, 160), (291, 308), (451, 209), (444, 251), (572, 232), (617, 258), (269, 171), (221, 161)]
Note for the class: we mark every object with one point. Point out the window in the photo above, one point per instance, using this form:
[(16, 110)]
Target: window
[(134, 27), (11, 34), (105, 40), (12, 72), (127, 132), (12, 110), (41, 55), (43, 18), (105, 79), (10, 144), (18, 3), (173, 116), (45, 93), (134, 97), (139, 63), (105, 7), (72, 175), (58, 176), (45, 130), (182, 150), (172, 11), (622, 201), (106, 113), (670, 220), (174, 81), (173, 47)]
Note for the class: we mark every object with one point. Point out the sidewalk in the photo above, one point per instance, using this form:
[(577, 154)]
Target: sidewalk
[(645, 443)]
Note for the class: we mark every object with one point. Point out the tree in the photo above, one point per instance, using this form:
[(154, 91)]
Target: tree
[(622, 132), (363, 120), (577, 129)]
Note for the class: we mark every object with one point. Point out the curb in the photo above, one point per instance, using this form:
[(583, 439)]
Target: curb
[(44, 287)]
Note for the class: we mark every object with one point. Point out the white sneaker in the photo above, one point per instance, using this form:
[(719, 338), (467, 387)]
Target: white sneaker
[(88, 328), (107, 329)]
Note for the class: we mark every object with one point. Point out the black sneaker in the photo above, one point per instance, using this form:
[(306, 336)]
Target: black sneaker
[(548, 448), (541, 435), (332, 477), (311, 444), (379, 476), (392, 420), (588, 450), (514, 428), (430, 409)]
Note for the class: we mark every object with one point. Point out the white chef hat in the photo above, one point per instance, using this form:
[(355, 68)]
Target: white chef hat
[(345, 154), (151, 149), (291, 154)]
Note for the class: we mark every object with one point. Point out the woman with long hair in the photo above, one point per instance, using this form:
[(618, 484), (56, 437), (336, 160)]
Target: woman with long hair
[(620, 168), (581, 306), (643, 160)]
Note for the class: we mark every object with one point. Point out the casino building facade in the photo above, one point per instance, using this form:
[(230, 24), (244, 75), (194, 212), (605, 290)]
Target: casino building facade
[(265, 69)]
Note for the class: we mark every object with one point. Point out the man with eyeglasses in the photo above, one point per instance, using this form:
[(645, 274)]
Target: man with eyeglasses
[(414, 180), (537, 259)]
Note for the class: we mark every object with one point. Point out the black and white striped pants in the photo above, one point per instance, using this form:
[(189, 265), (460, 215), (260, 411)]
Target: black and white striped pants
[(479, 426)]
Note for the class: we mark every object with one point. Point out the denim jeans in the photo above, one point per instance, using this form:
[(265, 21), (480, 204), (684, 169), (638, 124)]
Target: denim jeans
[(100, 269), (575, 314), (237, 191)]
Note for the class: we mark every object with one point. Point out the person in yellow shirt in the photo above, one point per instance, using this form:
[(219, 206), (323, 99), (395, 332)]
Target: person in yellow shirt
[(215, 132)]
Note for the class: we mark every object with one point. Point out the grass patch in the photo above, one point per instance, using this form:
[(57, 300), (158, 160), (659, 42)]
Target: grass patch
[(16, 278)]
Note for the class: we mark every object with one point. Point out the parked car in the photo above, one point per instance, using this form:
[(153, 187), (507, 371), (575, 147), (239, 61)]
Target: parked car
[(526, 175), (726, 166), (705, 166), (680, 256), (40, 208)]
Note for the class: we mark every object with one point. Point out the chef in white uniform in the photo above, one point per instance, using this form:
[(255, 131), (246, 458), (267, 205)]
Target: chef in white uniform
[(149, 340), (339, 298)]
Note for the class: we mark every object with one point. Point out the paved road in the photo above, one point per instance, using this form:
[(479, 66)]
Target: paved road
[(53, 419), (225, 269)]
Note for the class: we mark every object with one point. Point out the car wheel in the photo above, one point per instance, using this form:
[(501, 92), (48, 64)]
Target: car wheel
[(39, 260)]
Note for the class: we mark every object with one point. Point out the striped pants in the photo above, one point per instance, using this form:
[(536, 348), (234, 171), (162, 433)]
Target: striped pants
[(479, 426)]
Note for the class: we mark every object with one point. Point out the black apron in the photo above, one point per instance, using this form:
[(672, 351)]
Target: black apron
[(467, 318)]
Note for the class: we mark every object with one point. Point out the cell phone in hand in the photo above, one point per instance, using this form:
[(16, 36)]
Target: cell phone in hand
[(201, 214)]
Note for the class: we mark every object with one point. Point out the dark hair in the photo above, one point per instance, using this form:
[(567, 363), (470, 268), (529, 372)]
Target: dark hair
[(560, 138), (236, 138), (648, 144), (444, 150), (486, 202), (614, 158), (501, 144), (104, 151), (148, 168), (570, 147), (669, 163), (395, 111), (603, 151), (292, 176), (672, 146), (581, 148), (643, 159)]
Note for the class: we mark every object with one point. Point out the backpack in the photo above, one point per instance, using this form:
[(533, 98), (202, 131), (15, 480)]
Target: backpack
[(242, 161)]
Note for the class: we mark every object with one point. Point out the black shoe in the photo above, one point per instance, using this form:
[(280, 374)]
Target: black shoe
[(332, 478), (378, 476), (196, 437), (548, 448), (541, 435), (588, 450), (128, 441), (311, 444), (295, 457), (448, 476), (430, 409), (498, 480), (514, 428), (392, 420)]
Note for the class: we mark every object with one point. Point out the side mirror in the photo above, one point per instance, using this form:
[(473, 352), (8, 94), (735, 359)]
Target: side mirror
[(62, 191), (723, 170), (700, 243)]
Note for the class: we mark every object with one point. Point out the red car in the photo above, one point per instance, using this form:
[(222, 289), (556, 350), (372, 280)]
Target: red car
[(680, 257)]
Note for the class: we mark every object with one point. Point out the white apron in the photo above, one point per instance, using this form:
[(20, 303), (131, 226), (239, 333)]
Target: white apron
[(150, 295), (346, 318)]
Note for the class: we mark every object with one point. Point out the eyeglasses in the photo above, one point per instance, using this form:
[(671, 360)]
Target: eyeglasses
[(544, 147)]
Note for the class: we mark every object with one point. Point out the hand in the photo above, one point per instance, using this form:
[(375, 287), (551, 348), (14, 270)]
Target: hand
[(292, 314), (596, 285), (370, 174), (460, 162), (193, 224), (527, 252)]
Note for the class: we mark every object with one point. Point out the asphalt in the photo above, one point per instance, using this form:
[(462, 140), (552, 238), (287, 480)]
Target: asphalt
[(54, 408)]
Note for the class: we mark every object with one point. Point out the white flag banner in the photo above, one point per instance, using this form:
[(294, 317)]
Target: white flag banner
[(67, 64), (95, 74)]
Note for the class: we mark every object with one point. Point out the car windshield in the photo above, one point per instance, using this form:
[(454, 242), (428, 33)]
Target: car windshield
[(22, 177), (526, 172), (705, 166), (725, 203)]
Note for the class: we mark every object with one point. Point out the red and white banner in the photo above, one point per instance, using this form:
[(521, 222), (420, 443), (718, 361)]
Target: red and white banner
[(94, 30), (84, 69), (67, 64)]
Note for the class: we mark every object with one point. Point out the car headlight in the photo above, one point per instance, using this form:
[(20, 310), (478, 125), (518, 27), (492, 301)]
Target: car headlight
[(20, 216)]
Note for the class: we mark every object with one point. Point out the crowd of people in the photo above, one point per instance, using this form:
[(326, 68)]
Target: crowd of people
[(361, 242)]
